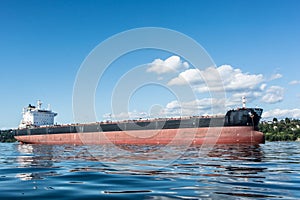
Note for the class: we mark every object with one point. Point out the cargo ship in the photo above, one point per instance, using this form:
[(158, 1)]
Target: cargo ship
[(237, 126)]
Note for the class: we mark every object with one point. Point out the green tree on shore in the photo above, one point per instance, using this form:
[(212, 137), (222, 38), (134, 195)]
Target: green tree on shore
[(283, 130), (7, 136)]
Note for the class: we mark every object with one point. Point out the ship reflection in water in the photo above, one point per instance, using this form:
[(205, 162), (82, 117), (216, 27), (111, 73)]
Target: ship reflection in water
[(37, 158), (214, 161)]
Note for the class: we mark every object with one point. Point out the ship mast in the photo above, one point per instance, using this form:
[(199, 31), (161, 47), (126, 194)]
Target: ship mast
[(39, 104), (244, 101)]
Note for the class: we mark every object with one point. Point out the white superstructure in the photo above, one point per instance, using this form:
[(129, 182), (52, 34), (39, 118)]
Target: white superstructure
[(36, 116)]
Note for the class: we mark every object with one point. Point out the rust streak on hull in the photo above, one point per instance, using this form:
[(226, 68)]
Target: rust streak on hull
[(187, 136)]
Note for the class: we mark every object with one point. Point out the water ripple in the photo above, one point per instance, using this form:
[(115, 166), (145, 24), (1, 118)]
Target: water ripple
[(271, 170)]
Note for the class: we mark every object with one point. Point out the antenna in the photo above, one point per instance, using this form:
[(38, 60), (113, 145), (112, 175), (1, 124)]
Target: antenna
[(49, 107), (244, 101), (39, 104)]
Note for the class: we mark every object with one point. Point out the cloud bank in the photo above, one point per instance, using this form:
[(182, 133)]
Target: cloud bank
[(225, 78)]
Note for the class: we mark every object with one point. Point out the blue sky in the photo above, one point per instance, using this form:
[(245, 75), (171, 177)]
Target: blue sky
[(43, 44)]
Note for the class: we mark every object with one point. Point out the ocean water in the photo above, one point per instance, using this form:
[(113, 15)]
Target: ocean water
[(270, 170)]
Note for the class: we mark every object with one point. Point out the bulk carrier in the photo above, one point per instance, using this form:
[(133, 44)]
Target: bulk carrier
[(238, 126)]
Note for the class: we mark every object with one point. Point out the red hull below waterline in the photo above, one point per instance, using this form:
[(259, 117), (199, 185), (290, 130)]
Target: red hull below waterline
[(186, 136)]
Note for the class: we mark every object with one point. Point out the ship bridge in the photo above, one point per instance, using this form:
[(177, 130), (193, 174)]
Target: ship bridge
[(36, 116)]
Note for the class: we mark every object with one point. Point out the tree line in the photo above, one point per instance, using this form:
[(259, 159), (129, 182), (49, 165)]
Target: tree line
[(281, 130), (7, 136)]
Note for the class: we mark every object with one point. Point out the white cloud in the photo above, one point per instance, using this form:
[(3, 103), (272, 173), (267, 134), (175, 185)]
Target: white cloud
[(263, 86), (215, 79), (282, 113), (235, 79), (190, 76), (294, 82), (275, 76), (274, 94), (171, 64), (205, 106)]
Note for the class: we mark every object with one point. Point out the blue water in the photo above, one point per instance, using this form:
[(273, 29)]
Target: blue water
[(271, 171)]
